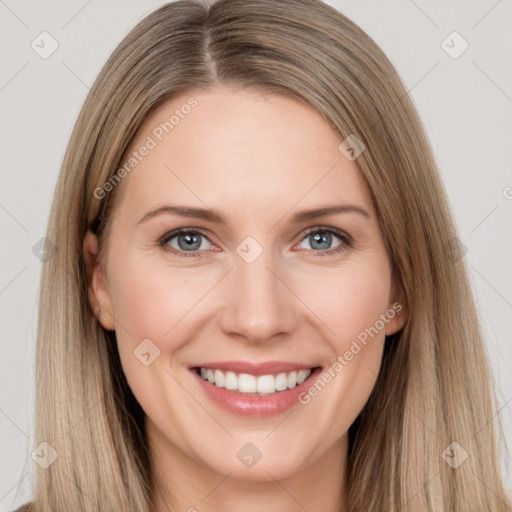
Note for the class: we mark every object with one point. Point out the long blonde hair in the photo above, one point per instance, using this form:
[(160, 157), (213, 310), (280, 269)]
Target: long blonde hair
[(434, 387)]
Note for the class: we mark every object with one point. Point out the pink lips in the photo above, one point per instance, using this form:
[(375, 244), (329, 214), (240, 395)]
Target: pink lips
[(254, 406)]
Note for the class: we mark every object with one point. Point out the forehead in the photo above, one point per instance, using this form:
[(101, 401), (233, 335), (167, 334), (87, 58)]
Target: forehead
[(240, 149)]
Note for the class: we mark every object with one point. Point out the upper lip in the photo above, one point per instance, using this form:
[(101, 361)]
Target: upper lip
[(264, 368)]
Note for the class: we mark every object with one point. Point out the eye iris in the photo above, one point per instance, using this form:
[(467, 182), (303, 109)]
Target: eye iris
[(321, 237), (190, 239)]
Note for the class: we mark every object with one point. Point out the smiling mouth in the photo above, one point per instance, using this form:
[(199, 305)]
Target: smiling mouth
[(252, 385)]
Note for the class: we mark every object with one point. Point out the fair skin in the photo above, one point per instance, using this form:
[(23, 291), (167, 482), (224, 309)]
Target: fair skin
[(256, 159)]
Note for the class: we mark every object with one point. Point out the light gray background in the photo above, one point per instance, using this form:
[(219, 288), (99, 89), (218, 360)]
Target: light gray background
[(465, 104)]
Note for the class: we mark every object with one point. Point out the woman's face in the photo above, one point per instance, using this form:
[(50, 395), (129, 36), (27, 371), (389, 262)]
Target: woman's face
[(258, 299)]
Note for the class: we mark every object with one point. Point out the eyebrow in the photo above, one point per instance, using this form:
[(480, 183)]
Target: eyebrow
[(217, 218)]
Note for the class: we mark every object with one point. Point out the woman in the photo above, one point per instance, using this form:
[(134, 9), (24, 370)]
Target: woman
[(199, 348)]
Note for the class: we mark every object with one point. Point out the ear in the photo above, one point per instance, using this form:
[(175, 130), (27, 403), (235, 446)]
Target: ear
[(397, 308), (97, 283)]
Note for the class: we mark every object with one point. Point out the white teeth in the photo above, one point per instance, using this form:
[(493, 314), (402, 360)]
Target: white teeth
[(219, 378), (281, 381), (302, 375), (247, 383), (265, 384), (231, 381)]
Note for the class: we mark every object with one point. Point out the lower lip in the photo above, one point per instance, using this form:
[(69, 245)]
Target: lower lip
[(255, 406)]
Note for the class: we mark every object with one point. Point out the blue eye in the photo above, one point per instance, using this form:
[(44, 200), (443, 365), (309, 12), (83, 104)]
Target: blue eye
[(321, 237), (190, 242)]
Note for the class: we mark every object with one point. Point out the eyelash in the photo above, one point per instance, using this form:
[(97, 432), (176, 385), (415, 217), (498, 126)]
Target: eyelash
[(346, 241)]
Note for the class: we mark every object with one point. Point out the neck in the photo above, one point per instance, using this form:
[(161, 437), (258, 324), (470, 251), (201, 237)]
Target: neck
[(181, 483)]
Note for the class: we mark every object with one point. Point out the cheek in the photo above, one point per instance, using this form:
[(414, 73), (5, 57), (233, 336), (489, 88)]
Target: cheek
[(352, 306), (153, 301), (348, 300), (154, 310)]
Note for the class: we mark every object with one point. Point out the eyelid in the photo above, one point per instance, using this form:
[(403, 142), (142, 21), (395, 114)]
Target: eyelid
[(162, 241), (337, 231)]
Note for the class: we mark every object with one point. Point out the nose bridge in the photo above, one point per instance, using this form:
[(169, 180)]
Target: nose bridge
[(258, 305)]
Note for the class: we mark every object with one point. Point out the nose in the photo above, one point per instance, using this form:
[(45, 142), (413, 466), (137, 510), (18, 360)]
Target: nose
[(259, 303)]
